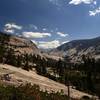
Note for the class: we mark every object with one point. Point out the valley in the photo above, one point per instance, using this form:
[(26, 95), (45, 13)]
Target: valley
[(20, 76), (23, 62)]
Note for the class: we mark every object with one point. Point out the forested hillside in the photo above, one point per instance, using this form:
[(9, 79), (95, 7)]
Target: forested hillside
[(83, 76)]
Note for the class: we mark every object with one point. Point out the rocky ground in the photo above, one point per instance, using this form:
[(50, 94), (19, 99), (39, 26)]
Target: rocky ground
[(19, 76)]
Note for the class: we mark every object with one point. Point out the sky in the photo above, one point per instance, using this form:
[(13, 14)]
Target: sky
[(50, 23)]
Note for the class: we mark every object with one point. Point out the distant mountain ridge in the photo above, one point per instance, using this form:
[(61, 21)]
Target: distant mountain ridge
[(22, 46), (76, 48), (19, 44)]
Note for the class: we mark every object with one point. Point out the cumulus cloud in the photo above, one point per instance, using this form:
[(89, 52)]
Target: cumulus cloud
[(94, 2), (35, 42), (11, 27), (9, 31), (35, 35), (49, 45), (64, 42), (76, 2), (94, 12), (62, 34)]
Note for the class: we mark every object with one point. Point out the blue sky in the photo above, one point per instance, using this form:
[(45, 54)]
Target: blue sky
[(50, 23)]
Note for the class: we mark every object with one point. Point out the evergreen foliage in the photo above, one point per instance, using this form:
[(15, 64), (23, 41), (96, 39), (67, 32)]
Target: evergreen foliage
[(28, 92), (85, 76)]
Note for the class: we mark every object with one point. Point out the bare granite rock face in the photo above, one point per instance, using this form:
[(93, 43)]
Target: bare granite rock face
[(19, 76), (76, 48), (21, 46)]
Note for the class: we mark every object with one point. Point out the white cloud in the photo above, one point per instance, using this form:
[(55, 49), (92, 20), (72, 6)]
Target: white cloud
[(13, 26), (35, 42), (64, 42), (62, 34), (49, 45), (94, 12), (94, 2), (76, 2), (9, 31), (35, 35)]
